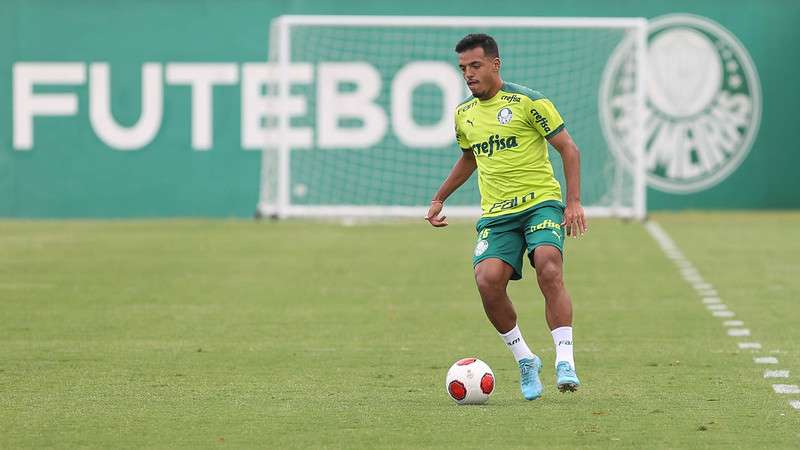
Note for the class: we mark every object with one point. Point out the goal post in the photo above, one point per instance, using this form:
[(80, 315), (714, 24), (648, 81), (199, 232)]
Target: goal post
[(360, 121)]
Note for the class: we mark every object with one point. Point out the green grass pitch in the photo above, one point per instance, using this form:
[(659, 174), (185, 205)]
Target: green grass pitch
[(301, 334)]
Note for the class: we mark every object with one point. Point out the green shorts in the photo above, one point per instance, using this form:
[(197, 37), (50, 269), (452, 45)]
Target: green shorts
[(510, 236)]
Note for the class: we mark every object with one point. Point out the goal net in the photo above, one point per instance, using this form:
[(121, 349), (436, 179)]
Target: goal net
[(361, 116)]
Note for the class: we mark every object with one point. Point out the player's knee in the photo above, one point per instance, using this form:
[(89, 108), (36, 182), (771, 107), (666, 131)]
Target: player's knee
[(488, 280), (549, 272)]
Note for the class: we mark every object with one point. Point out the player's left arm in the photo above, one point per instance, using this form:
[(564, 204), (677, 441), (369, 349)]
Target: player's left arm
[(574, 218)]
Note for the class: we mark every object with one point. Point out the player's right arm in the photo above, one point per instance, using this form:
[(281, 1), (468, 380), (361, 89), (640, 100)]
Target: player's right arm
[(459, 174)]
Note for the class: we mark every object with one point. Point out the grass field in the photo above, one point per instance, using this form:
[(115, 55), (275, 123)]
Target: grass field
[(215, 334)]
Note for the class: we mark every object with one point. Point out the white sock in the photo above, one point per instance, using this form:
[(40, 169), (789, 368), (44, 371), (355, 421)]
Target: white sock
[(517, 344), (562, 337)]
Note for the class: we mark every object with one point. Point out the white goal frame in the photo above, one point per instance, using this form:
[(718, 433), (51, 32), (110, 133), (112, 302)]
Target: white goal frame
[(281, 28)]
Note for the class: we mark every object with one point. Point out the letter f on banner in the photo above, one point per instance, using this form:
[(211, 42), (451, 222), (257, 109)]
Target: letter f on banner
[(28, 104), (333, 105)]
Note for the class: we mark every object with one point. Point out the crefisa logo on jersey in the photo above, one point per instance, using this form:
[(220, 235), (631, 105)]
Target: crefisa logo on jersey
[(703, 103), (504, 116)]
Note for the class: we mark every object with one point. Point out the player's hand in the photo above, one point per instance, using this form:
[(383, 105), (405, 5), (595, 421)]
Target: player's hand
[(433, 215), (574, 220)]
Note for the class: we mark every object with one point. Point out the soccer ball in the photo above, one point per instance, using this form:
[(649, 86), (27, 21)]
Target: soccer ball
[(469, 381)]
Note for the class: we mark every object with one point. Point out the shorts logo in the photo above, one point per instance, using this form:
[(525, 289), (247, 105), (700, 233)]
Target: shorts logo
[(703, 103), (546, 224), (481, 247), (504, 116)]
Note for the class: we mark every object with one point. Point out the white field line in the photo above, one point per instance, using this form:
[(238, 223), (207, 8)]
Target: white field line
[(713, 303), (765, 360), (776, 374), (786, 388), (752, 345), (738, 332)]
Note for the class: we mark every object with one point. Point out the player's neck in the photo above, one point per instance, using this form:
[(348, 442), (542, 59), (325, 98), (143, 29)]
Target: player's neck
[(492, 91)]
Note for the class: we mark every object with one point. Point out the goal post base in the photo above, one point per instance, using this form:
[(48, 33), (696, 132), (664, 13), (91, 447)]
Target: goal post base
[(412, 212)]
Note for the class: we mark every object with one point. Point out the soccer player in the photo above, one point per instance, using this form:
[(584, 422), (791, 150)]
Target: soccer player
[(503, 131)]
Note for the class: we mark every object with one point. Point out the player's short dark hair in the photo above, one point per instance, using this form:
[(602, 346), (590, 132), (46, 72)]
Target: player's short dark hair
[(484, 41)]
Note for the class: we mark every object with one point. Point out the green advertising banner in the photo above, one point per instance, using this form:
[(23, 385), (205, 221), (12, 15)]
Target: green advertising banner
[(160, 108)]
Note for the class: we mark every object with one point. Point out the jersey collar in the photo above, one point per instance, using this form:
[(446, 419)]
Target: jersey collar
[(496, 96)]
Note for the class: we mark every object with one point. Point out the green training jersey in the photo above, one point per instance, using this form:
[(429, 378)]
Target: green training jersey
[(508, 135)]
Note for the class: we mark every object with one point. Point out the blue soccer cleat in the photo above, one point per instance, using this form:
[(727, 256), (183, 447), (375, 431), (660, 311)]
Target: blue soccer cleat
[(529, 381), (566, 378)]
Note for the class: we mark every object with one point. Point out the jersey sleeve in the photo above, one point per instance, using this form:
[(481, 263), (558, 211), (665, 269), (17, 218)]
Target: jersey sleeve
[(461, 139), (545, 118)]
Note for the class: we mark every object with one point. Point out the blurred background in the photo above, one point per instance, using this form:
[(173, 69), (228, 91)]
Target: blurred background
[(80, 137)]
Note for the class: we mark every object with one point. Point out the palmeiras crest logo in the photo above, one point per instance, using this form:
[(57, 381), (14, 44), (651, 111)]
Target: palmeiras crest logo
[(504, 116), (703, 103), (481, 247)]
